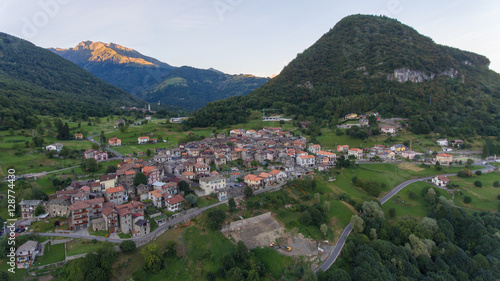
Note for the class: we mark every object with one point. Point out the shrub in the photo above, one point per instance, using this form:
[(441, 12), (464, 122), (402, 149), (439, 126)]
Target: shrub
[(392, 212), (465, 173), (478, 183), (467, 200), (128, 246), (478, 173), (496, 184)]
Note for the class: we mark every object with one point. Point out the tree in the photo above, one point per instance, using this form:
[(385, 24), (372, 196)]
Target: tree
[(127, 246), (192, 199), (324, 229), (478, 183), (152, 259), (358, 225), (248, 192), (111, 169), (234, 274), (241, 254), (431, 196), (171, 250), (253, 275), (148, 152), (317, 198), (232, 205), (215, 218), (228, 261), (467, 199), (102, 139), (392, 212), (184, 187), (40, 210), (430, 225), (210, 276), (90, 165), (326, 206), (470, 162), (478, 173), (140, 178), (372, 210), (496, 184)]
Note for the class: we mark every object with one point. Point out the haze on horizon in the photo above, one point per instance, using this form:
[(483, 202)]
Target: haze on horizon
[(240, 36)]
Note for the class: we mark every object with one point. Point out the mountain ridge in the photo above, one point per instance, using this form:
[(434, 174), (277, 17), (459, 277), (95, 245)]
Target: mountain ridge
[(35, 81), (371, 63), (155, 81)]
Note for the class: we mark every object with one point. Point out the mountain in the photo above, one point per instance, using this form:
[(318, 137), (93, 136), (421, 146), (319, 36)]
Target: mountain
[(371, 63), (155, 81), (35, 81)]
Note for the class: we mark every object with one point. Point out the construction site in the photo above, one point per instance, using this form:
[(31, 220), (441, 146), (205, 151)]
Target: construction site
[(265, 231)]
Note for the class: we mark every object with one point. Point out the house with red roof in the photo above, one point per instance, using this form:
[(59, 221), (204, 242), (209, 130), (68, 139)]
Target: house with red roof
[(173, 202), (253, 181), (440, 180), (117, 195), (356, 152), (114, 141), (80, 213), (444, 159), (306, 160), (143, 140)]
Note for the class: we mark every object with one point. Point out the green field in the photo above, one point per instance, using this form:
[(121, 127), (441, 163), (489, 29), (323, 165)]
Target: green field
[(274, 262), (19, 274), (82, 246), (407, 207), (52, 254), (484, 198)]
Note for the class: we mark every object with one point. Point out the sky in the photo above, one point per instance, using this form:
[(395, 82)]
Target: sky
[(240, 36)]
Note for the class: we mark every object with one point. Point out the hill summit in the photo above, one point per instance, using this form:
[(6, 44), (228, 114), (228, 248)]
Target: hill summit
[(35, 81), (156, 81), (373, 63)]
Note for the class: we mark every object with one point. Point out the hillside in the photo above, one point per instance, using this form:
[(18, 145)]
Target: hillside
[(35, 81), (155, 81), (371, 63)]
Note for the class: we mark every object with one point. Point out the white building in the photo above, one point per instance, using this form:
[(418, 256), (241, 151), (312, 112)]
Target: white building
[(55, 147), (306, 160), (314, 148), (440, 180), (173, 202), (213, 184), (442, 142)]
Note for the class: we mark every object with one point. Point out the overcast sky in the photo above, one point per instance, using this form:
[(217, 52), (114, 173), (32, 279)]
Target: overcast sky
[(239, 36)]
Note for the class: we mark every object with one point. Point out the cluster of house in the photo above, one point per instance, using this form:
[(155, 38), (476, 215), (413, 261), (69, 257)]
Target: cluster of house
[(98, 155), (146, 140), (453, 143), (57, 147)]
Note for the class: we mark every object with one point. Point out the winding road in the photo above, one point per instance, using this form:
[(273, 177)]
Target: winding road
[(343, 237)]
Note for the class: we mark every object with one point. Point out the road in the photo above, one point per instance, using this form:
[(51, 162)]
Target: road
[(340, 243), (175, 221), (119, 155)]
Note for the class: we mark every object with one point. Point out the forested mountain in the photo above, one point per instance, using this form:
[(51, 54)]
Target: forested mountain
[(35, 81), (448, 244), (371, 63), (155, 81)]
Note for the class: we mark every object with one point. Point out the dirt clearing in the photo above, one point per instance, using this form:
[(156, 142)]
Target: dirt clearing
[(262, 230), (411, 167)]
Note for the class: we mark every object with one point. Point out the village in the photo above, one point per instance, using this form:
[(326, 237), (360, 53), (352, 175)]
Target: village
[(220, 166)]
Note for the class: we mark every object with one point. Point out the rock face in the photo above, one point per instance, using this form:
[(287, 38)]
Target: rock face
[(405, 74)]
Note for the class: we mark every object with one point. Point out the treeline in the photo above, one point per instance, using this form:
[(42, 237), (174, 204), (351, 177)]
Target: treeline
[(341, 74), (448, 244)]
